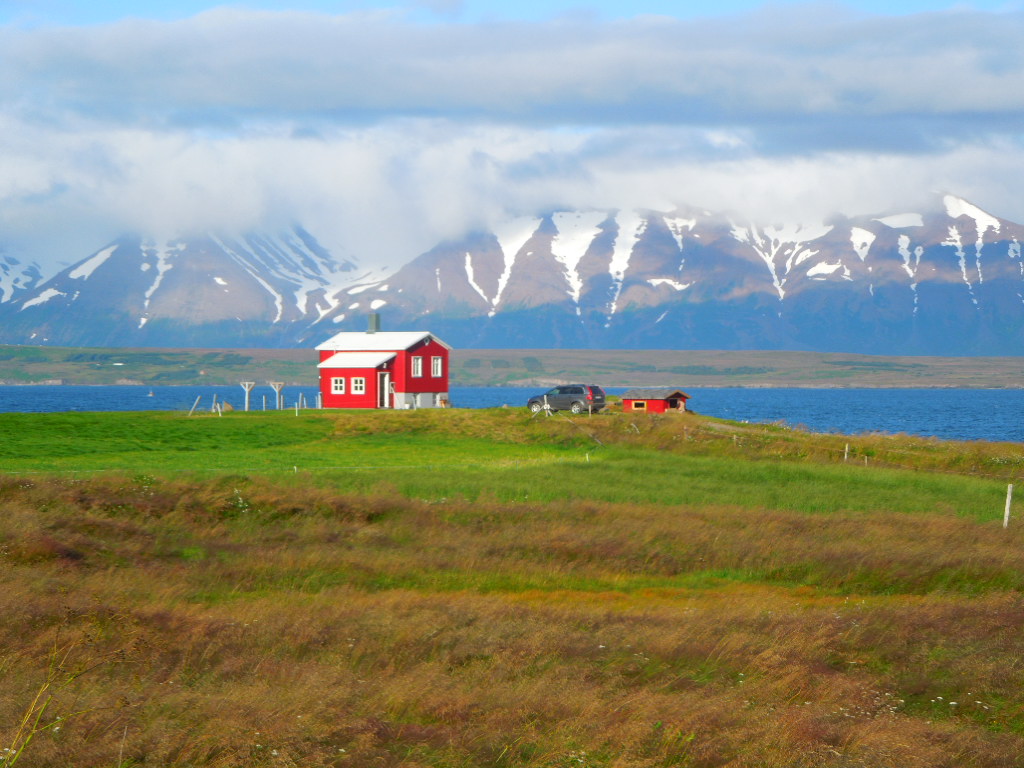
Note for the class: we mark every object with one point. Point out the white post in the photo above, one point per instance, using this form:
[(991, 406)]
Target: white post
[(277, 386), (247, 386), (1009, 500), (846, 453), (195, 404)]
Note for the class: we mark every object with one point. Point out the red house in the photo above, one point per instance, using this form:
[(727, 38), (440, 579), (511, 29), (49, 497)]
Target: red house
[(376, 369), (654, 400)]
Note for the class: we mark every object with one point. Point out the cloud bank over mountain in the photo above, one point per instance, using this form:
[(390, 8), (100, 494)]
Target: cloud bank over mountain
[(235, 118)]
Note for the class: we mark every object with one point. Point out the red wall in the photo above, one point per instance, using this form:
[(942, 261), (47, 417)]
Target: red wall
[(653, 406), (406, 382), (348, 400)]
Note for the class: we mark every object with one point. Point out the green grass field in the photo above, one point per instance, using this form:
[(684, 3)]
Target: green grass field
[(483, 588)]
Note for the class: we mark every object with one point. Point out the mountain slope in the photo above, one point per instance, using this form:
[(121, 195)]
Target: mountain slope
[(202, 290), (945, 281), (948, 281)]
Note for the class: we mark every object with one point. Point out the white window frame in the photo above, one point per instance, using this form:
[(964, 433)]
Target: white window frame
[(417, 366), (358, 385), (337, 385), (437, 366)]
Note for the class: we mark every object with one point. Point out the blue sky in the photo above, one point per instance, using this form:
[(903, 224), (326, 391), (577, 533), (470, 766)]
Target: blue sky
[(385, 127), (468, 11)]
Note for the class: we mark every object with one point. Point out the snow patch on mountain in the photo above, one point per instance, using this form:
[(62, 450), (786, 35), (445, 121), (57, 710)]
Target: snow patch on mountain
[(164, 254), (471, 277), (14, 278), (512, 237), (42, 298), (956, 242), (957, 207), (824, 269), (983, 222), (87, 267), (781, 248), (677, 225), (902, 220), (862, 240), (576, 231), (631, 227), (911, 263), (675, 284)]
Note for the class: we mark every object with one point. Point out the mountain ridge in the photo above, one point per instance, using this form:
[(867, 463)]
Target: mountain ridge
[(946, 281)]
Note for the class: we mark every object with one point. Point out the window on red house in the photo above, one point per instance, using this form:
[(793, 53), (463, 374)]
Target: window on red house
[(338, 385), (436, 367), (358, 385), (417, 366)]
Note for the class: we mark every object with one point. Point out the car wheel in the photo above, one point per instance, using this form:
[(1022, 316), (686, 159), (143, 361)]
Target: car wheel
[(577, 407), (534, 407)]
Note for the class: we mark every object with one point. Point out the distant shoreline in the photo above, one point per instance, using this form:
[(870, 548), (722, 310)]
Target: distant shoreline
[(540, 368)]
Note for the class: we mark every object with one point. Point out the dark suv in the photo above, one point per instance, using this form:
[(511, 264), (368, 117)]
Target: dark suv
[(577, 398)]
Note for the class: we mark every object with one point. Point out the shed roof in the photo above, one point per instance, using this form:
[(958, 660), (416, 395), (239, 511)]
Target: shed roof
[(356, 359), (357, 341), (659, 393)]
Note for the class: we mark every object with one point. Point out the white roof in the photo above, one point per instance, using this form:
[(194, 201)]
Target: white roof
[(355, 341), (356, 359)]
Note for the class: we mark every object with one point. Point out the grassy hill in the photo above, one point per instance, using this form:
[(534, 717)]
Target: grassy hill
[(483, 588), (505, 367)]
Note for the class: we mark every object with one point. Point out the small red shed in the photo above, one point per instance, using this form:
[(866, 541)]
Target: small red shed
[(376, 369), (654, 400)]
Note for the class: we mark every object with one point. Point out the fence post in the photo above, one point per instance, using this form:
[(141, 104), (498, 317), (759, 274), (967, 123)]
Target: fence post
[(1009, 500)]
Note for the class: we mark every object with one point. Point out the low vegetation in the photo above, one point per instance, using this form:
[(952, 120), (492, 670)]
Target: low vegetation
[(483, 588), (512, 367)]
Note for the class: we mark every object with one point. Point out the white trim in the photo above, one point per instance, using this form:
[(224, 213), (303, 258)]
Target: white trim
[(357, 359), (349, 341)]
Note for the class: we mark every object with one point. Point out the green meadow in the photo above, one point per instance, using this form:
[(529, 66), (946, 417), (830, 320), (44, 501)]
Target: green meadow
[(487, 588)]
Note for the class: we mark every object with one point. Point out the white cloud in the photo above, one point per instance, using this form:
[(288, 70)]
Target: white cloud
[(383, 136)]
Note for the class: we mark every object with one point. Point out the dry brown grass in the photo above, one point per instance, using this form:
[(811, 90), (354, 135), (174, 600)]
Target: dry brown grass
[(239, 622)]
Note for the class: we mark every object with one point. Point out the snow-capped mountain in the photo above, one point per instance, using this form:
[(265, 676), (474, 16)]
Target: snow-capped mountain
[(945, 281), (201, 290)]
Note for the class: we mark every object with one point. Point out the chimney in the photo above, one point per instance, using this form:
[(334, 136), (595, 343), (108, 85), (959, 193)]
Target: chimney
[(374, 324)]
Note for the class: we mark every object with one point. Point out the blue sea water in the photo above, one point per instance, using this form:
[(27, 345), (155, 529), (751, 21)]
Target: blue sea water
[(958, 414)]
